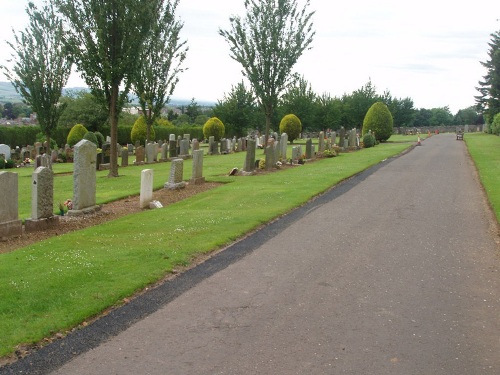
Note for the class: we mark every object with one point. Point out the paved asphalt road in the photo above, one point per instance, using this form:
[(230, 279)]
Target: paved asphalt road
[(393, 272)]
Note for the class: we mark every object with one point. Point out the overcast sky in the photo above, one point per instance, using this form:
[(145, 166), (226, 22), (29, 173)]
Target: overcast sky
[(429, 51)]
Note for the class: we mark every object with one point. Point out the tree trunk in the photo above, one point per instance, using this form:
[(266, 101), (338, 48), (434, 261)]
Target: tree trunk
[(113, 117)]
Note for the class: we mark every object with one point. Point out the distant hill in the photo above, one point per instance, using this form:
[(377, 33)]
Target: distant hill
[(9, 94)]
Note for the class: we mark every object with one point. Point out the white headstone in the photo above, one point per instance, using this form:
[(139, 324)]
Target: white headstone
[(84, 175), (146, 188)]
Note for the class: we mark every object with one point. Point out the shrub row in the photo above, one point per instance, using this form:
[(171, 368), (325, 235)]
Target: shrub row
[(26, 134)]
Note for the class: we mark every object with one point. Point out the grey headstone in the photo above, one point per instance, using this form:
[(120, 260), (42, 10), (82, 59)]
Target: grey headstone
[(5, 149), (10, 225), (176, 175), (84, 175), (250, 156), (139, 155), (197, 175), (124, 158), (42, 194)]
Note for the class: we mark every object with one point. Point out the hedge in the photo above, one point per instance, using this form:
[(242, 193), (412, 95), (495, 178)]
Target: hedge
[(26, 134)]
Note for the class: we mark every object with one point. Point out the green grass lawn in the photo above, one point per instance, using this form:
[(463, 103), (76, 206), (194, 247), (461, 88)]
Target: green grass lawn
[(485, 151), (58, 283)]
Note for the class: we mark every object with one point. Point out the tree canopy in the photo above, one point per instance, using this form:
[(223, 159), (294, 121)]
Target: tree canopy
[(489, 88), (161, 63), (107, 42), (267, 43), (41, 65)]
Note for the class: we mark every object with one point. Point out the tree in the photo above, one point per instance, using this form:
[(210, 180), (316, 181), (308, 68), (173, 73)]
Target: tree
[(300, 100), (357, 104), (41, 65), (267, 44), (8, 111), (193, 110), (328, 112), (237, 110), (83, 108), (467, 116), (161, 64), (441, 117), (378, 121), (423, 117), (489, 99), (107, 44)]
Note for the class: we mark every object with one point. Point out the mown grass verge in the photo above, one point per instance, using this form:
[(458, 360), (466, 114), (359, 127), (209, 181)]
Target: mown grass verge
[(58, 283), (484, 150)]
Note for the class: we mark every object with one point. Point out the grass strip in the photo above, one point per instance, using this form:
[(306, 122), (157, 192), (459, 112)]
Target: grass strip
[(58, 283), (483, 149)]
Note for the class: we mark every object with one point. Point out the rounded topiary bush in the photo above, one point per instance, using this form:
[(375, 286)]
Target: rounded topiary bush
[(100, 138), (368, 140), (76, 134), (214, 127), (292, 126), (138, 132), (89, 136), (379, 121), (164, 123)]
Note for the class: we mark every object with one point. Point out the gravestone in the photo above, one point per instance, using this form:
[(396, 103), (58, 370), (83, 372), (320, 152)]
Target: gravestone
[(106, 153), (321, 142), (150, 153), (334, 138), (124, 157), (309, 148), (84, 178), (10, 225), (223, 146), (283, 145), (5, 150), (164, 152), (249, 166), (269, 152), (172, 147), (341, 137), (146, 195), (130, 148), (352, 138), (139, 155), (296, 153), (197, 175), (176, 174), (54, 155), (184, 148), (466, 129), (195, 145), (42, 201)]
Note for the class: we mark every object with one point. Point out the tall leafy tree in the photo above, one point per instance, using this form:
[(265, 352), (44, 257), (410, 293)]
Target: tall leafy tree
[(161, 64), (107, 44), (238, 110), (357, 104), (83, 108), (300, 100), (267, 43), (41, 65), (328, 112), (489, 88)]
